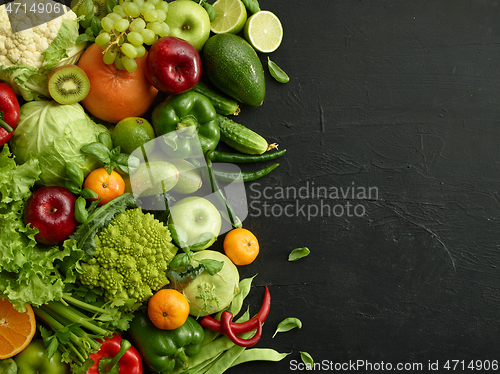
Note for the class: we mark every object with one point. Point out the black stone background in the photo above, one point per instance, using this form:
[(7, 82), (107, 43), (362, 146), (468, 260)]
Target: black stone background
[(403, 96)]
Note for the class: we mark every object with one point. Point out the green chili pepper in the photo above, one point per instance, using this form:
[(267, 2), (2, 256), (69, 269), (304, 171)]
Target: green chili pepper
[(179, 112), (165, 350), (246, 176), (238, 158)]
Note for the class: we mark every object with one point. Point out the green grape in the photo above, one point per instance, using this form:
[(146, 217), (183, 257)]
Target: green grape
[(146, 6), (110, 56), (118, 9), (139, 2), (119, 63), (102, 40), (154, 2), (121, 25), (132, 9), (129, 64), (162, 5), (165, 30), (128, 50), (150, 15), (135, 38), (162, 15), (114, 17), (141, 50), (148, 36), (107, 24), (155, 27), (137, 24)]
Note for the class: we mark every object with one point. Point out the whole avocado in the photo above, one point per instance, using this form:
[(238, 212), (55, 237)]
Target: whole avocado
[(234, 67)]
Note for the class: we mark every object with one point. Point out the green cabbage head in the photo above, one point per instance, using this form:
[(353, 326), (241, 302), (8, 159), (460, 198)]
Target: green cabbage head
[(54, 134)]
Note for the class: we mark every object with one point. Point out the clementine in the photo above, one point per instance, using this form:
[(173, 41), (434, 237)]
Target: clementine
[(241, 246), (106, 186), (115, 94), (16, 329), (168, 309)]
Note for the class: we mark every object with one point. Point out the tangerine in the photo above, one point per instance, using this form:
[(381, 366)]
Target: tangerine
[(16, 329), (168, 309), (241, 246), (106, 186), (115, 94)]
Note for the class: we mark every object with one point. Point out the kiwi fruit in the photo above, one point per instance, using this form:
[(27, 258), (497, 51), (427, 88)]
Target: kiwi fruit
[(99, 7), (68, 84)]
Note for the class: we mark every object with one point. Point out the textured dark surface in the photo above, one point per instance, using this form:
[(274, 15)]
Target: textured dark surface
[(402, 96)]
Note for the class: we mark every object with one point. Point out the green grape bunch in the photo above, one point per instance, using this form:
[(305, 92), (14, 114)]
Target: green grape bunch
[(128, 27)]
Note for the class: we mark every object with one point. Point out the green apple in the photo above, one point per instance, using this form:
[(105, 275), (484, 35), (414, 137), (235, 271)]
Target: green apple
[(189, 21), (195, 216)]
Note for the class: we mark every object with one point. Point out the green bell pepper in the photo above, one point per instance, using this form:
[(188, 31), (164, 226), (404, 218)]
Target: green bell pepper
[(34, 360), (181, 112), (165, 350)]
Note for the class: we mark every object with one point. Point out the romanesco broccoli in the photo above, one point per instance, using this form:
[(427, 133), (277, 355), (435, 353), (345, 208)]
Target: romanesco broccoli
[(131, 259)]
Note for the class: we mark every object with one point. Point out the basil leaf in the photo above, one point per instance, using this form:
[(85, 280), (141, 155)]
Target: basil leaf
[(178, 234), (211, 266), (276, 72), (81, 213), (182, 259), (89, 194), (75, 173), (298, 253), (307, 359), (98, 150), (72, 187), (288, 324), (105, 138), (201, 241)]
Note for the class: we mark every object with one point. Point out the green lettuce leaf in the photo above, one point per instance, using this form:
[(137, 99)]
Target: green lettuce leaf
[(25, 81), (29, 273)]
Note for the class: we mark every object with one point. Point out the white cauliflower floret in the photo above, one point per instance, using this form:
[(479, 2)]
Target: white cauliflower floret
[(26, 47)]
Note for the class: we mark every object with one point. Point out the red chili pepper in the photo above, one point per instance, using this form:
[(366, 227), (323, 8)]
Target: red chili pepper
[(9, 112), (240, 328), (226, 327), (116, 351)]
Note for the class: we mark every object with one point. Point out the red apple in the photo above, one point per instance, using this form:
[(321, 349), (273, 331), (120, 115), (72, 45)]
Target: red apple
[(52, 211), (173, 65)]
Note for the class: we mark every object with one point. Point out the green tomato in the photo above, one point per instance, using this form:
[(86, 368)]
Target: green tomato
[(34, 360)]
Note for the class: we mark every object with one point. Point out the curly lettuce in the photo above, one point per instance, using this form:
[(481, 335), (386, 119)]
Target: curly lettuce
[(29, 273)]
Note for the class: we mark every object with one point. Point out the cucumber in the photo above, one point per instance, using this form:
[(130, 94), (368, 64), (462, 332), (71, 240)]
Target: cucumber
[(222, 103), (233, 66), (242, 138)]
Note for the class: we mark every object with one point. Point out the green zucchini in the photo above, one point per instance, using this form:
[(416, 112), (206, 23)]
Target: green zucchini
[(222, 103), (242, 138)]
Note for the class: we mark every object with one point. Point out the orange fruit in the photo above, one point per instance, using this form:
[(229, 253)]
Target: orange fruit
[(16, 329), (168, 309), (241, 246), (106, 186), (115, 94)]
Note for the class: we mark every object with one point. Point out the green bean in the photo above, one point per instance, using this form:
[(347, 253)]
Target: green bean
[(236, 304), (227, 359), (251, 5), (238, 158), (259, 354), (246, 176)]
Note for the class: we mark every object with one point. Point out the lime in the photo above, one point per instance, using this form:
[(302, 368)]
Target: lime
[(263, 31), (131, 133), (231, 16)]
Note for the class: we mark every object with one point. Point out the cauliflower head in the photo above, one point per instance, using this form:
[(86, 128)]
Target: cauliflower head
[(131, 259), (45, 42)]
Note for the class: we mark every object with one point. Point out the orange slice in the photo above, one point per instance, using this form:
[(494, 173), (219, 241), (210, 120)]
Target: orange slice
[(16, 329)]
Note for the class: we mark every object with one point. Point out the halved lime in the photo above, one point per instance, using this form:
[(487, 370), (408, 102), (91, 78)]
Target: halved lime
[(263, 31), (231, 16)]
